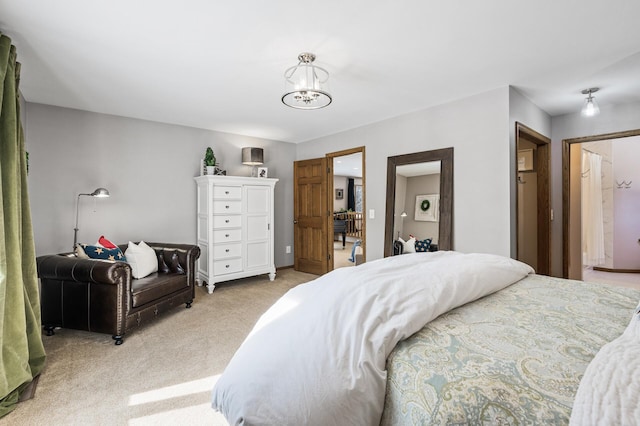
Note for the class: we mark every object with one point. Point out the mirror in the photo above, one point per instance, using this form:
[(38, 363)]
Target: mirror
[(415, 206)]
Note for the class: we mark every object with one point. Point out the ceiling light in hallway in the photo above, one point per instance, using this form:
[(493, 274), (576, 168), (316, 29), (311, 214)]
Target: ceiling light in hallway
[(590, 107)]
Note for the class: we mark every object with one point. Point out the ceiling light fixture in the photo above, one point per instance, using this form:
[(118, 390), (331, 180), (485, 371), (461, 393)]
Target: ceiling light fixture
[(306, 85), (590, 107)]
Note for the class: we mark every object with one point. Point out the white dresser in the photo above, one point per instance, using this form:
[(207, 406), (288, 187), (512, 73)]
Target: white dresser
[(234, 228)]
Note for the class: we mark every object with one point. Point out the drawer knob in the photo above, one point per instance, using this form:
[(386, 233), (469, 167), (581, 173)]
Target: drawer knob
[(226, 235), (226, 221), (226, 192), (226, 207), (226, 266), (227, 250)]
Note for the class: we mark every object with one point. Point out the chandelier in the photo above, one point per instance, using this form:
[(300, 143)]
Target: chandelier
[(306, 84)]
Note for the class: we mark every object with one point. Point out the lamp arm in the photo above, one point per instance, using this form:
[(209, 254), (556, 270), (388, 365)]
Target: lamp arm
[(75, 230)]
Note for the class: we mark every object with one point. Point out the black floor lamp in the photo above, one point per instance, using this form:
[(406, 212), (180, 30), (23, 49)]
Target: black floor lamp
[(100, 193)]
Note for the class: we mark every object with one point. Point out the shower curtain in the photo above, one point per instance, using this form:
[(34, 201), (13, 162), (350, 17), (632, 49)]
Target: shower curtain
[(592, 217)]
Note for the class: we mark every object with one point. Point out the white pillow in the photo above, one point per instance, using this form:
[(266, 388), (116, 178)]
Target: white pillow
[(142, 259), (80, 253), (408, 246)]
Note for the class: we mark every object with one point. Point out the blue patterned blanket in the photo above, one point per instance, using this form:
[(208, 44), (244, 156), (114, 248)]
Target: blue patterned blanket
[(513, 357)]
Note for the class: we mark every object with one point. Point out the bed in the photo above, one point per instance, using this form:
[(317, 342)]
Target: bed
[(430, 338)]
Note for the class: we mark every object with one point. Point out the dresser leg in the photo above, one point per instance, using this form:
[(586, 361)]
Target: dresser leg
[(272, 276), (210, 287)]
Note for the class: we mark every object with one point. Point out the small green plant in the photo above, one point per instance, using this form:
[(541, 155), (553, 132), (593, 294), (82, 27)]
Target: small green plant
[(209, 158)]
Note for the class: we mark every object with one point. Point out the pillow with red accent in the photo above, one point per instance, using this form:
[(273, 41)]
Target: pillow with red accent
[(102, 241), (96, 252)]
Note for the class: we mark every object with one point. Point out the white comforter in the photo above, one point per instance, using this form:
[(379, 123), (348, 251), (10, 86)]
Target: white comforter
[(317, 356), (609, 392)]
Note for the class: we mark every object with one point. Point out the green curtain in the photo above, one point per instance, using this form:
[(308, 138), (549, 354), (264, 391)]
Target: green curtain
[(22, 354)]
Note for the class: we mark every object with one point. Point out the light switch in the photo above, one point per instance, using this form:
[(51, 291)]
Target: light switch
[(372, 214)]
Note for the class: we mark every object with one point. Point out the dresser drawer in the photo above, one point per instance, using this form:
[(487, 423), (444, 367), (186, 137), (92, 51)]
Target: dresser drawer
[(233, 207), (226, 235), (228, 266), (227, 192), (226, 251), (229, 221)]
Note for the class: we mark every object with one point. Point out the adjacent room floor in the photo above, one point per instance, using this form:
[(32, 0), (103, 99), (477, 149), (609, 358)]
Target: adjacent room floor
[(612, 278), (341, 255)]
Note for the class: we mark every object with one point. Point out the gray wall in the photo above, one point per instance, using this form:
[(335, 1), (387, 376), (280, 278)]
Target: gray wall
[(477, 128), (523, 111), (148, 167), (626, 204)]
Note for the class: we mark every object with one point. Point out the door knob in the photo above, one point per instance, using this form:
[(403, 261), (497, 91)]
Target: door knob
[(295, 221)]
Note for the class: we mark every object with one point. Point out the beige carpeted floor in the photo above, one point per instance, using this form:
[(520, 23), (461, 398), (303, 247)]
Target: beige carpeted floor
[(162, 374), (341, 255)]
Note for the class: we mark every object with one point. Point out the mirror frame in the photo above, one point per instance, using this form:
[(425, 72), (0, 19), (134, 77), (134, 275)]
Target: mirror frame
[(445, 228)]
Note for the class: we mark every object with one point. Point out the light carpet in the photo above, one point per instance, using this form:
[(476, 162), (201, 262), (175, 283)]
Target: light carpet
[(162, 374), (341, 255)]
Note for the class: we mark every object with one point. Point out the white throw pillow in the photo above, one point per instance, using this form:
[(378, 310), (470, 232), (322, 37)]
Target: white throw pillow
[(409, 245), (80, 253), (142, 259)]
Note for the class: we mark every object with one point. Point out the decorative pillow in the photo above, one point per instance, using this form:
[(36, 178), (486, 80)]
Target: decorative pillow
[(102, 241), (96, 252), (408, 246), (423, 245), (173, 261), (142, 259), (80, 254), (162, 265)]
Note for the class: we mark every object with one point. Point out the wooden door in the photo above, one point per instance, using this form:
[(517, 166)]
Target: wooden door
[(310, 213), (536, 215)]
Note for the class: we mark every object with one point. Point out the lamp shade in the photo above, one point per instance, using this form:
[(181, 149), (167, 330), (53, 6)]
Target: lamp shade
[(252, 156), (100, 193)]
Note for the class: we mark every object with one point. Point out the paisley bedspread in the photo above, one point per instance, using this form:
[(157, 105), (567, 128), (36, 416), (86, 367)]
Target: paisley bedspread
[(514, 357)]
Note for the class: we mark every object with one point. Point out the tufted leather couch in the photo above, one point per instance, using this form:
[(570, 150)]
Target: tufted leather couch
[(102, 296)]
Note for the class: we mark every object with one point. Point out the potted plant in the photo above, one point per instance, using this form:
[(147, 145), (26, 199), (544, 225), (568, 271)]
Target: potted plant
[(210, 161)]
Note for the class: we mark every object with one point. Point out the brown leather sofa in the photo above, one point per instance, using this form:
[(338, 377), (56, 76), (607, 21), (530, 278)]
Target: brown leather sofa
[(102, 296)]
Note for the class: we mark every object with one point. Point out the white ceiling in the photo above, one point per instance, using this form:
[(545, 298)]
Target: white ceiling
[(348, 165), (219, 65), (418, 169)]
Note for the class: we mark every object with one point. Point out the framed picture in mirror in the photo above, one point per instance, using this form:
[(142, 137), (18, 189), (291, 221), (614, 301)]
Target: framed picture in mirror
[(427, 207)]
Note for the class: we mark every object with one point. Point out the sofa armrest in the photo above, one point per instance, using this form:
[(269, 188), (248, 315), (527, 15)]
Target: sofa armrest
[(84, 294), (70, 268)]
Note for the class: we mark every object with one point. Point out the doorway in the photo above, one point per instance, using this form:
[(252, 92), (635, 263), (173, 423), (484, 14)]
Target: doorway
[(572, 177), (347, 224), (533, 216), (315, 198)]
